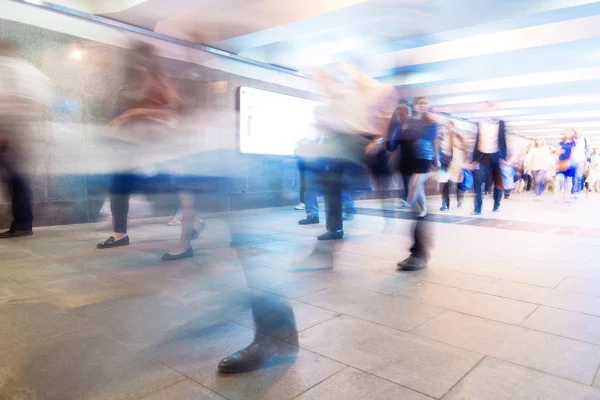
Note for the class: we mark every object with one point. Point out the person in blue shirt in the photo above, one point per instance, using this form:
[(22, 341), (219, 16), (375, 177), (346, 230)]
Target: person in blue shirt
[(566, 168)]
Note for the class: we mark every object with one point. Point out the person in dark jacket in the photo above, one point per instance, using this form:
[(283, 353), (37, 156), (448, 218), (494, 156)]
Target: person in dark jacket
[(489, 154), (419, 132)]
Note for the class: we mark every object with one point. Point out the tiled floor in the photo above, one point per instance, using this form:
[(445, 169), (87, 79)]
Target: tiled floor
[(509, 308)]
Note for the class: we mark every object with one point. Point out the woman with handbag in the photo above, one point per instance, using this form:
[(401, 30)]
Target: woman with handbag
[(458, 160), (565, 168)]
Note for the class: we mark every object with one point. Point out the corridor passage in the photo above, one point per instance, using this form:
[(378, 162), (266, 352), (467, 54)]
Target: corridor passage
[(508, 308)]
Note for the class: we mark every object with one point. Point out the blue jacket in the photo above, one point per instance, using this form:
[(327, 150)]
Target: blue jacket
[(420, 137)]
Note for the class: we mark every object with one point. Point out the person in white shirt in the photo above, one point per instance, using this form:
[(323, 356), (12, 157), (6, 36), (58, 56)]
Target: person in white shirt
[(489, 154), (25, 96), (538, 160)]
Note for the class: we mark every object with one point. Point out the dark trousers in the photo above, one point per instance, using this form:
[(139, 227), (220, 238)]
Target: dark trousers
[(22, 209), (302, 172), (124, 185), (448, 187), (331, 182), (421, 240), (489, 170), (405, 184)]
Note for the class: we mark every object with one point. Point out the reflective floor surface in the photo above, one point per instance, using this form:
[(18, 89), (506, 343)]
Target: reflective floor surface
[(509, 308)]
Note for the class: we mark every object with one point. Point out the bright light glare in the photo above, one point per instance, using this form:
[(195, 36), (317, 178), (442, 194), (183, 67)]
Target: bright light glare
[(76, 54)]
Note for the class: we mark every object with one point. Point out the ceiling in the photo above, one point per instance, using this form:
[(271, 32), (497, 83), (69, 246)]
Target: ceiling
[(537, 61)]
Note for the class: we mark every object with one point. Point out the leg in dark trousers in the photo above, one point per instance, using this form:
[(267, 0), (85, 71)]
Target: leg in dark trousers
[(273, 317), (120, 191), (301, 171), (21, 203), (479, 179), (419, 252), (405, 185), (446, 196), (331, 182), (488, 172), (420, 248)]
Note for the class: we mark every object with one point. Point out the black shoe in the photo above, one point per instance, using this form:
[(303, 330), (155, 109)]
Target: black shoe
[(112, 242), (309, 221), (496, 209), (14, 234), (476, 212), (189, 253), (245, 360), (332, 235), (412, 263), (444, 208)]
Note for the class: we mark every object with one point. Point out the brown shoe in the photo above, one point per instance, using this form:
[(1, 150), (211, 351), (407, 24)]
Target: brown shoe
[(14, 234)]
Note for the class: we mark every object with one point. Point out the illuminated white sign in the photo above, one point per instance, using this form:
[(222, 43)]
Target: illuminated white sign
[(273, 123)]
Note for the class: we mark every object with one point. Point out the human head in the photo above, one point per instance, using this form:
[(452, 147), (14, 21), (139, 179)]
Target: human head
[(567, 136), (576, 133), (539, 142), (421, 105)]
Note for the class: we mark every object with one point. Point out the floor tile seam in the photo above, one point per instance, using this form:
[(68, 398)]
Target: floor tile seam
[(560, 283), (35, 292), (417, 279), (413, 329), (366, 255), (544, 304), (188, 377), (407, 332), (477, 364), (488, 285), (528, 316), (504, 323), (320, 382), (544, 372), (594, 344), (345, 314), (337, 314), (396, 294), (390, 294), (596, 381), (375, 376), (508, 298), (49, 298), (184, 378), (16, 346), (574, 292), (505, 359), (500, 279)]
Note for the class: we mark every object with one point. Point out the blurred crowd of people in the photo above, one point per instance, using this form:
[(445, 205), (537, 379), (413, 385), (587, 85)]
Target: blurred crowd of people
[(363, 127)]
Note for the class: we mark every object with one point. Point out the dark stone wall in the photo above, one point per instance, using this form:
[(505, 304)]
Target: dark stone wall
[(85, 93)]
